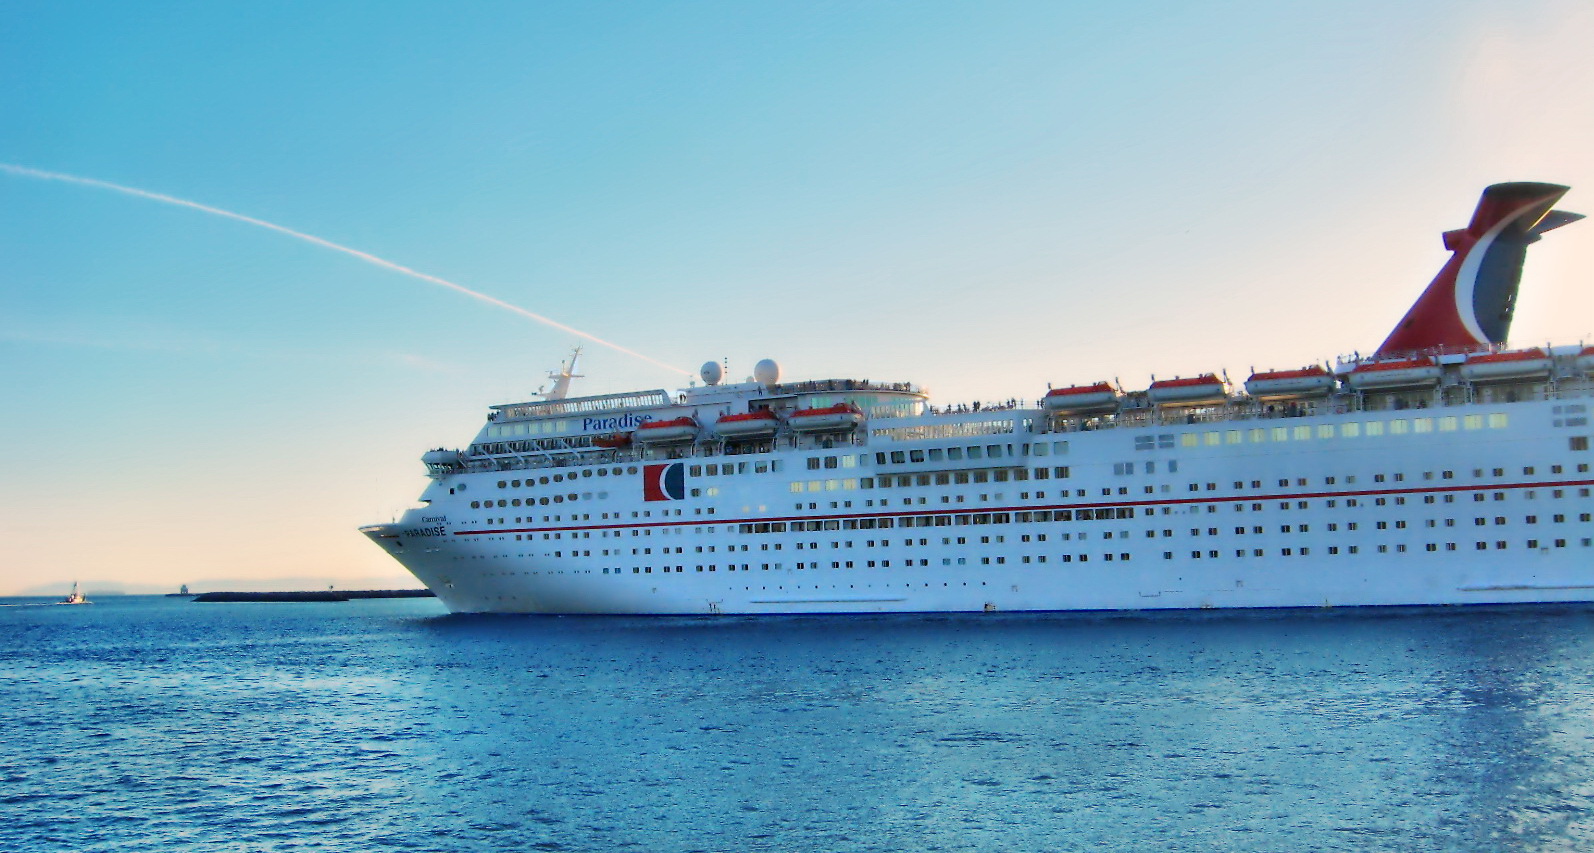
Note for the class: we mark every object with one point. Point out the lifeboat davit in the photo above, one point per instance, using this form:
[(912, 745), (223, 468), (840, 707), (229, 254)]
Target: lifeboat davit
[(1082, 399), (612, 441), (747, 424), (1192, 391), (1311, 381), (1508, 366), (842, 416), (1390, 375), (661, 432)]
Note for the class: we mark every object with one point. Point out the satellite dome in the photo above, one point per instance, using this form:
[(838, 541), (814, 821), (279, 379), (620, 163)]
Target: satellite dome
[(766, 372), (711, 373)]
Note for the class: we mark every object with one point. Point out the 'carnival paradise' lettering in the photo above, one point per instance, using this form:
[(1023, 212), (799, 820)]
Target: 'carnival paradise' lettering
[(625, 421)]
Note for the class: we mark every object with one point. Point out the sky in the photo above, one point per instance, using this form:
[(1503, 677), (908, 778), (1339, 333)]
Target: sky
[(980, 197)]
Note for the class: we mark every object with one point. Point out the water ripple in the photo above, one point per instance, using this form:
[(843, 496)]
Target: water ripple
[(144, 725)]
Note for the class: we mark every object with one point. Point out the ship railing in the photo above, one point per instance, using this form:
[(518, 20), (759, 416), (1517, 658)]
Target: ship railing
[(1345, 363), (980, 407), (1249, 409), (581, 405), (826, 385)]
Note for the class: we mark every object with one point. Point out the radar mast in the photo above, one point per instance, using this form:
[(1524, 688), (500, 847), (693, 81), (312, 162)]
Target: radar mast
[(561, 378)]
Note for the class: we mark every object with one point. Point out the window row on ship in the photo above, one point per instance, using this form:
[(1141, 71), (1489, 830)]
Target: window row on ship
[(1037, 559), (1055, 516), (1337, 429), (977, 477)]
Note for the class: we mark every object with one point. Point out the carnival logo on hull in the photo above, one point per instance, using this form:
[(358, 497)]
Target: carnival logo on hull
[(664, 482)]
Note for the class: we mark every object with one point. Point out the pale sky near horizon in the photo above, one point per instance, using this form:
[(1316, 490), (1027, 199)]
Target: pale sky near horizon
[(979, 197)]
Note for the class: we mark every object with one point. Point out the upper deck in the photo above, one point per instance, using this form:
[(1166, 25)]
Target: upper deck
[(600, 429)]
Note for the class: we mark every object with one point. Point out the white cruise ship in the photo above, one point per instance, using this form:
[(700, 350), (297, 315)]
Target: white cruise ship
[(1443, 469)]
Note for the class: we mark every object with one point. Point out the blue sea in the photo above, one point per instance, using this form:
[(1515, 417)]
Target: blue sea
[(147, 723)]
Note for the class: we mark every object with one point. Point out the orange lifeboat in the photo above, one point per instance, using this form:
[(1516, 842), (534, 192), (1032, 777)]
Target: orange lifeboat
[(662, 432), (1081, 399), (1311, 381), (842, 416), (1391, 375), (747, 424), (1202, 390), (612, 441), (1508, 366)]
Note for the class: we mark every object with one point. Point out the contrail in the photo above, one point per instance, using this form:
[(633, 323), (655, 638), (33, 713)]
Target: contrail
[(26, 172)]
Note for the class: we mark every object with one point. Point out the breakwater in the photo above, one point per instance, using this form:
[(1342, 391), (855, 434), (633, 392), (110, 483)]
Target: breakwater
[(312, 595)]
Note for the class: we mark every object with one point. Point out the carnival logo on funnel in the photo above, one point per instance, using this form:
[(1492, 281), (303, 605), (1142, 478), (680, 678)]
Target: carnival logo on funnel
[(1469, 305), (664, 482)]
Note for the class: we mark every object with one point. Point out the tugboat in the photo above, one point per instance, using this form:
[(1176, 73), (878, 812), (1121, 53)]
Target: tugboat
[(74, 597)]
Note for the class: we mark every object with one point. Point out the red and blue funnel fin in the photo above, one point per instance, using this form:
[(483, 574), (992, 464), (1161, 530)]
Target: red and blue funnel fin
[(1469, 304)]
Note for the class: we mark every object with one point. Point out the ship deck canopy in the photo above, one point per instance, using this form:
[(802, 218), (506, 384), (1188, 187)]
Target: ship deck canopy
[(582, 405)]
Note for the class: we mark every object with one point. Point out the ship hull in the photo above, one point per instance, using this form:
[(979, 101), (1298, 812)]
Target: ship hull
[(1475, 504), (1534, 581)]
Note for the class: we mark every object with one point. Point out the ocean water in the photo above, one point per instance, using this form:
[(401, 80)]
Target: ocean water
[(157, 724)]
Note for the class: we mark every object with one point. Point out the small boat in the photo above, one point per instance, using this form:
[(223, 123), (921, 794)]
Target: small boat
[(1390, 375), (1082, 399), (1311, 381), (661, 432), (1507, 366), (75, 596), (1191, 391), (842, 416), (747, 424), (612, 441)]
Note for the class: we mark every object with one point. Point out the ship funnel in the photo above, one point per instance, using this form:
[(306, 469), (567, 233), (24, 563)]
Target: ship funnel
[(1470, 303)]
